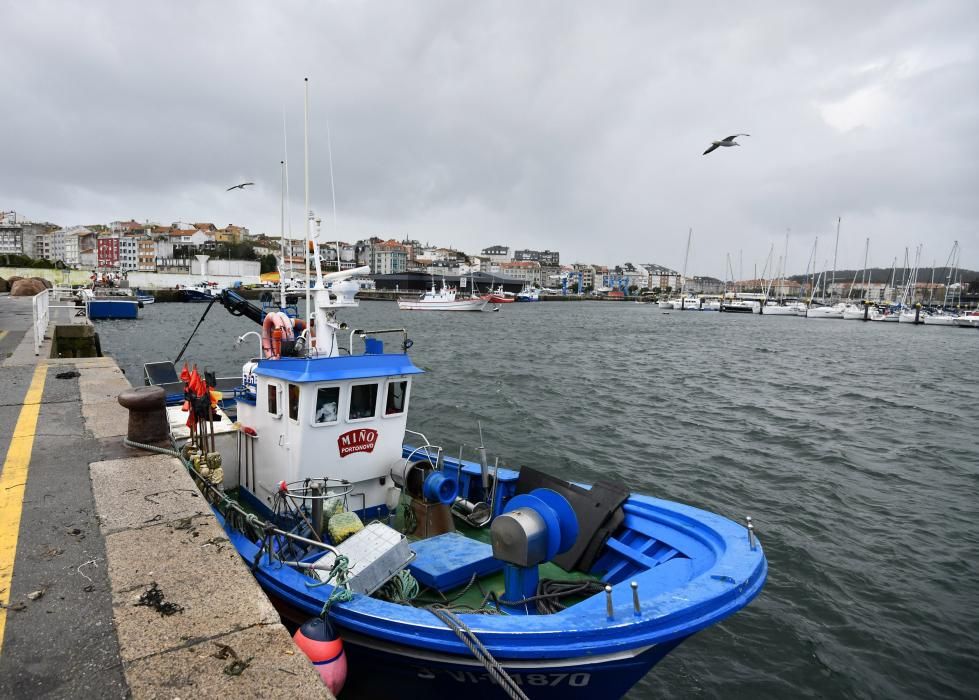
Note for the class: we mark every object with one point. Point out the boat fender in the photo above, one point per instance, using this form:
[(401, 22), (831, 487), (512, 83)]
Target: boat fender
[(248, 430), (321, 644)]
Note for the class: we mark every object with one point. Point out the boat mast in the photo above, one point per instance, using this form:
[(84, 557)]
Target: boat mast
[(836, 249), (768, 261), (812, 286), (785, 267), (333, 192), (950, 265), (686, 257), (863, 272), (307, 214), (282, 238), (893, 280)]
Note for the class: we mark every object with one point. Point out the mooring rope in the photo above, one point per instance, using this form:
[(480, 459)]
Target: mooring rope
[(482, 654)]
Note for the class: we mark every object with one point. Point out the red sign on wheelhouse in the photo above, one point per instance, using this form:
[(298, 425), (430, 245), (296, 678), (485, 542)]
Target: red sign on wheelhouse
[(362, 440)]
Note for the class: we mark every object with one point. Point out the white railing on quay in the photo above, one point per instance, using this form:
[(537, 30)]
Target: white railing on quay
[(41, 306), (42, 311)]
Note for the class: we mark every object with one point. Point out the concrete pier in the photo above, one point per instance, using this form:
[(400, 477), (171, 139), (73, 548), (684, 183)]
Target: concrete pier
[(115, 578)]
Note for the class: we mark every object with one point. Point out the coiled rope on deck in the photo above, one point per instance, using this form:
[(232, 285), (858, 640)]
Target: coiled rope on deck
[(482, 654)]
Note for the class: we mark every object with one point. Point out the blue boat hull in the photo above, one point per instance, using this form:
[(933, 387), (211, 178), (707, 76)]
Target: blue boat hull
[(111, 308), (444, 677)]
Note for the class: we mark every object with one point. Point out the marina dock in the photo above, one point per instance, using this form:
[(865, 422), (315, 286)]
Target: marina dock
[(99, 598)]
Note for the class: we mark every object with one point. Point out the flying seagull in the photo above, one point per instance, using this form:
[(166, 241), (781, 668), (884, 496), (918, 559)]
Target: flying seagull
[(729, 141), (245, 184)]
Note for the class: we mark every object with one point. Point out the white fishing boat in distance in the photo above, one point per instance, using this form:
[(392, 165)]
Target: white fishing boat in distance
[(443, 299)]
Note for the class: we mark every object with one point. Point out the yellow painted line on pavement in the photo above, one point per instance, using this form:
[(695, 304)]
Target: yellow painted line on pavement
[(13, 481)]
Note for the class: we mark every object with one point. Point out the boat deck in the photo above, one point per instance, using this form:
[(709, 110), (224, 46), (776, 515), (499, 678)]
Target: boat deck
[(476, 595)]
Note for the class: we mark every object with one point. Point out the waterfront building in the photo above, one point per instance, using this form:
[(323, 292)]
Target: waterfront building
[(411, 282), (107, 253), (497, 253), (66, 245), (145, 253), (527, 270), (388, 257), (549, 258), (662, 277), (128, 252), (699, 284), (86, 250), (11, 234), (587, 274)]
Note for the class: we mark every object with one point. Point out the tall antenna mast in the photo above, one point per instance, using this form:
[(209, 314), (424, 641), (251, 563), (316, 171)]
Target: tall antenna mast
[(288, 212), (306, 195), (282, 237), (333, 191)]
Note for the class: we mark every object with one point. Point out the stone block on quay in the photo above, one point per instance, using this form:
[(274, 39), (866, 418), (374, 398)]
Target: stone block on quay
[(105, 418), (139, 491), (275, 669), (190, 565)]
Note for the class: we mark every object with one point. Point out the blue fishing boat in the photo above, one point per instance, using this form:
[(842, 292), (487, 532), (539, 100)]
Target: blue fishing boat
[(108, 303), (441, 573)]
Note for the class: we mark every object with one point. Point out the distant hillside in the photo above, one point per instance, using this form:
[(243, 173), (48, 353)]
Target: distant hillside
[(883, 274)]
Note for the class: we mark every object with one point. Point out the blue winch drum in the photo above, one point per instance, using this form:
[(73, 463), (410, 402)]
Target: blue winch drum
[(439, 488), (557, 513)]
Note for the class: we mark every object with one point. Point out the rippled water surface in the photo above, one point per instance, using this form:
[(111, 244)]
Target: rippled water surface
[(854, 446)]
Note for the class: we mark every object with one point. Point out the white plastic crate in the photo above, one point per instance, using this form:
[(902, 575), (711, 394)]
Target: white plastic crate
[(375, 554)]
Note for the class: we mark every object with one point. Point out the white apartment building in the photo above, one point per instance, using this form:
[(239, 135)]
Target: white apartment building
[(528, 271), (11, 235), (497, 253), (386, 259), (65, 244), (128, 253)]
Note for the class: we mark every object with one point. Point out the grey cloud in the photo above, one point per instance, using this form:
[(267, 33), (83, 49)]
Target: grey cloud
[(564, 125)]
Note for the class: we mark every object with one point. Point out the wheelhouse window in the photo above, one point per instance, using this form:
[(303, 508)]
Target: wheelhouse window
[(273, 400), (294, 402), (327, 405), (396, 397), (363, 401)]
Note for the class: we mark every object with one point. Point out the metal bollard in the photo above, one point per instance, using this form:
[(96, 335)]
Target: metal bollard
[(148, 421), (608, 602), (751, 533), (636, 610)]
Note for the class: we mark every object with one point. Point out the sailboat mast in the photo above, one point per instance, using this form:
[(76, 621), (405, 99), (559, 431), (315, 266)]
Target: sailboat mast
[(865, 280), (785, 266), (812, 288), (893, 280), (686, 258), (836, 249)]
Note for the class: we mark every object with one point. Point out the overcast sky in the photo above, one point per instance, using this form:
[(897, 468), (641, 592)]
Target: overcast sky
[(571, 126)]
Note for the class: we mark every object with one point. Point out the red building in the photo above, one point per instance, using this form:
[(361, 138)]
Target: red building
[(108, 252)]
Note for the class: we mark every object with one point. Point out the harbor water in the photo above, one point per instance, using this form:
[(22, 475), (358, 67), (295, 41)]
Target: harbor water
[(853, 446)]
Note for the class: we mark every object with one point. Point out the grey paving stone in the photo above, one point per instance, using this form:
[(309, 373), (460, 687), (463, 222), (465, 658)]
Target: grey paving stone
[(193, 566), (276, 669), (143, 490)]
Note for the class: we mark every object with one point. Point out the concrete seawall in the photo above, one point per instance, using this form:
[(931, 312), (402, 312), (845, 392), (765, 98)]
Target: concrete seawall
[(115, 578)]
